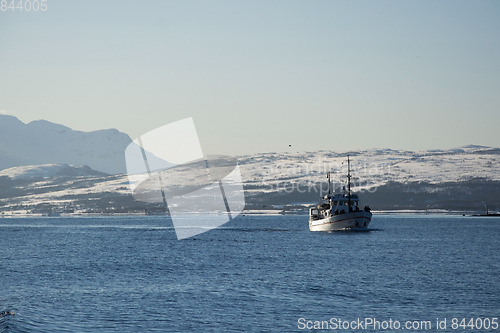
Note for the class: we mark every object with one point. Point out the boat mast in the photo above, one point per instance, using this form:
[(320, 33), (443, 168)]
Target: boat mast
[(349, 182), (329, 185)]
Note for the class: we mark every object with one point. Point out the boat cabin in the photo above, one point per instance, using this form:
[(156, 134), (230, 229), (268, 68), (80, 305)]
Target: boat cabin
[(335, 205), (340, 202)]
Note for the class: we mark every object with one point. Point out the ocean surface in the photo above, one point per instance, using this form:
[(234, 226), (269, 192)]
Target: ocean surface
[(253, 274)]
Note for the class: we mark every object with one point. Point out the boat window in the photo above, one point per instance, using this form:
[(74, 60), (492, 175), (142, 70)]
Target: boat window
[(335, 203)]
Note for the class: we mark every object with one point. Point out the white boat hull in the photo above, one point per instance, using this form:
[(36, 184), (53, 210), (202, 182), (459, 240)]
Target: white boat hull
[(351, 220)]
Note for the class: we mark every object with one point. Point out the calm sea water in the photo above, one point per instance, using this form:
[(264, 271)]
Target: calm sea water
[(254, 274)]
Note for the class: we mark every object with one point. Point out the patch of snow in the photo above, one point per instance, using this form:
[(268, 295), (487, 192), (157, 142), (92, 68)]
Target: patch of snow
[(49, 170)]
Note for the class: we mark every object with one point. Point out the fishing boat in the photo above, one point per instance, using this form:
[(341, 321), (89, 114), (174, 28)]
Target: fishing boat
[(339, 211)]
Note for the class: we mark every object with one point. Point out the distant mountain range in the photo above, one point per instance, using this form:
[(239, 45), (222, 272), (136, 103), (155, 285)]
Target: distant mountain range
[(463, 179), (43, 142), (42, 163)]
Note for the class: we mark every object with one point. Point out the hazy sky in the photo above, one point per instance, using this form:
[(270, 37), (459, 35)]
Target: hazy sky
[(257, 76)]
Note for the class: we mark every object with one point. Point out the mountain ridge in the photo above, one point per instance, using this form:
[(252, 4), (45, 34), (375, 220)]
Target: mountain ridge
[(50, 170), (42, 142), (458, 179)]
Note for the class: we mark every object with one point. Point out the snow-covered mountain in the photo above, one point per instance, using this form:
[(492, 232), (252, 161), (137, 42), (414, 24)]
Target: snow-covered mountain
[(373, 167), (42, 162), (461, 178), (49, 171), (42, 142)]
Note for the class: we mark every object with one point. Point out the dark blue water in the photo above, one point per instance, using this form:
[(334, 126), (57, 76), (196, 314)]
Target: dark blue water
[(255, 274)]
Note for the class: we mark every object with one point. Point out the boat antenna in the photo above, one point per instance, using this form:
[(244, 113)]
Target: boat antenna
[(349, 181)]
